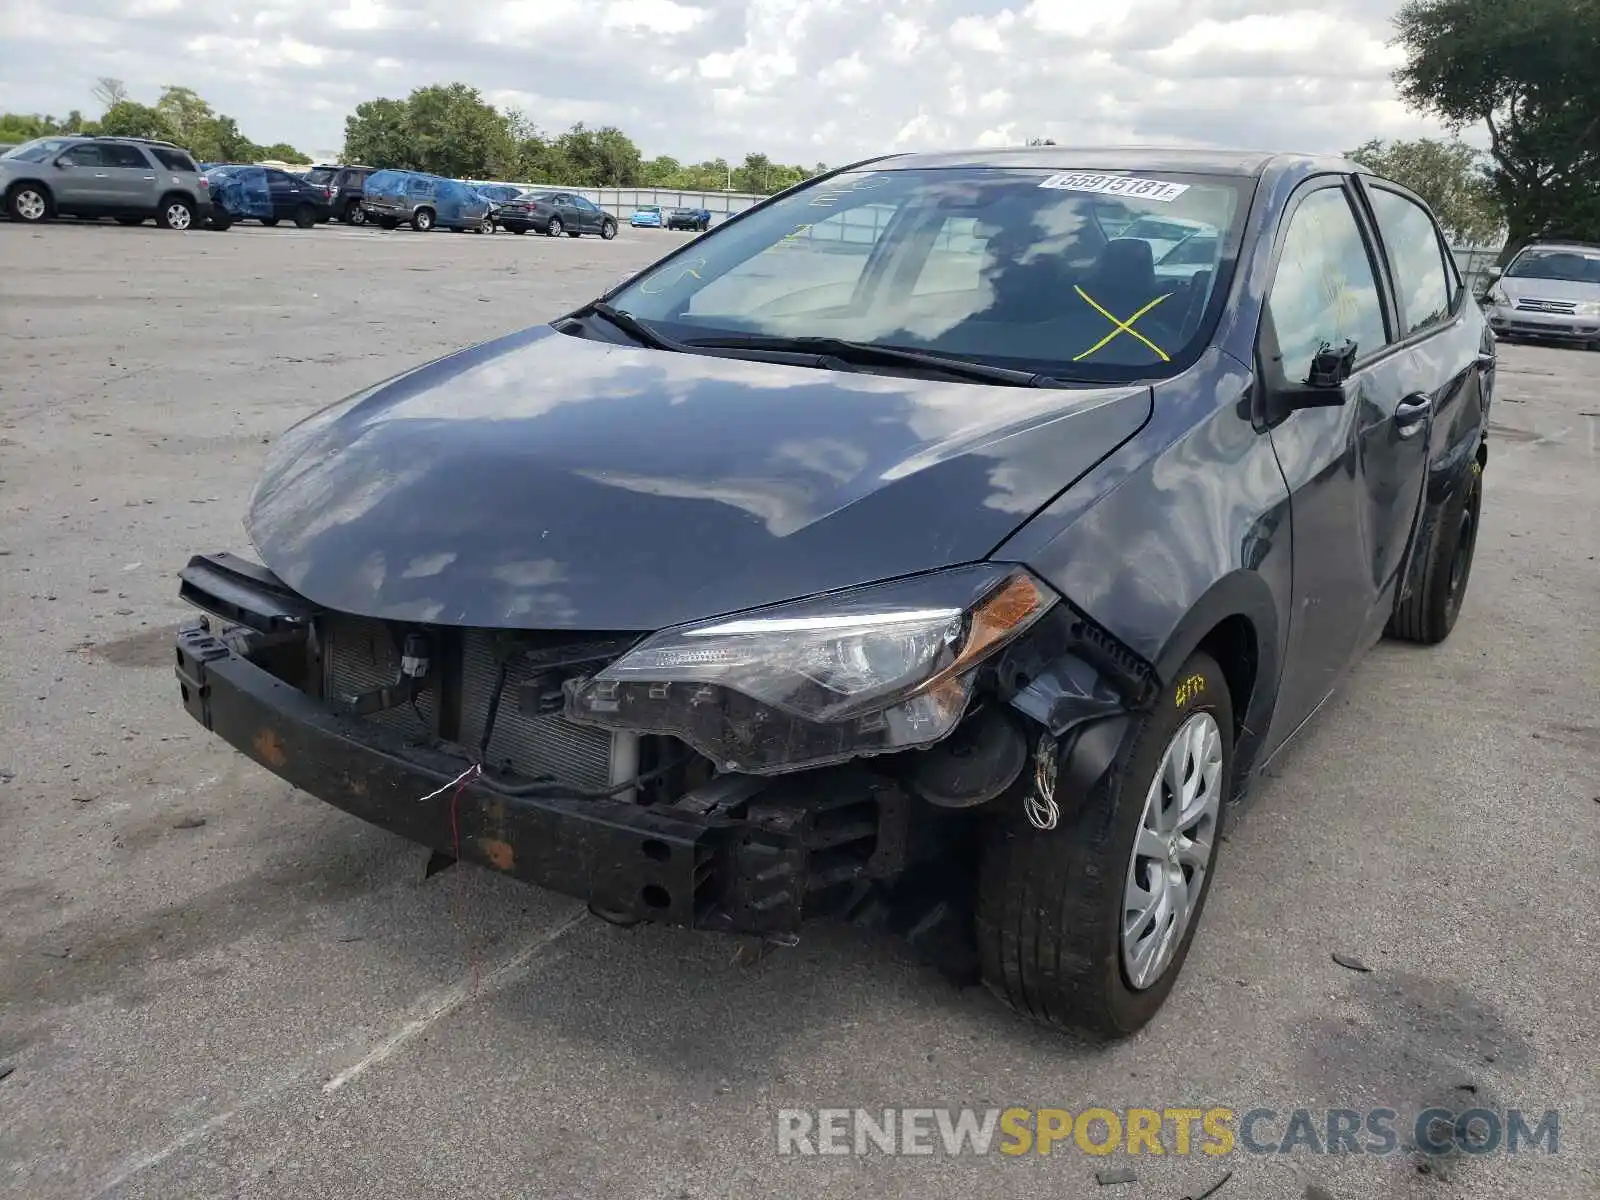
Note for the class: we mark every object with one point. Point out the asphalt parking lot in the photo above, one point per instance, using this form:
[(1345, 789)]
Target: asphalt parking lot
[(211, 985)]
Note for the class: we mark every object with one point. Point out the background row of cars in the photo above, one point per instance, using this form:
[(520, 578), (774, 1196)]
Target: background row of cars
[(138, 179)]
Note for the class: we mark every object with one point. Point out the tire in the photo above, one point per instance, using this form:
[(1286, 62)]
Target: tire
[(130, 220), (175, 213), (305, 217), (554, 228), (519, 230), (574, 233), (608, 230), (389, 222), (1051, 904), (422, 220), (221, 223), (354, 214), (269, 222), (29, 204), (1429, 613)]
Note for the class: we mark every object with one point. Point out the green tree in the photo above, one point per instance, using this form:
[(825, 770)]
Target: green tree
[(1525, 72), (1450, 176), (281, 152), (128, 118), (378, 135)]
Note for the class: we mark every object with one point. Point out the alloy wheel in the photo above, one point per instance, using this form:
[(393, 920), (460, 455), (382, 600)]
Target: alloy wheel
[(1172, 850), (178, 216), (30, 205)]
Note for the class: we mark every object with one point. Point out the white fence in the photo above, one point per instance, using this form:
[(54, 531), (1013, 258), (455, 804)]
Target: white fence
[(621, 202)]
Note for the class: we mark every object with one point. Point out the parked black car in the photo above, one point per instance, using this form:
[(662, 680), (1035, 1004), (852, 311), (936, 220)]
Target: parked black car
[(250, 192), (979, 574), (689, 218), (555, 213), (342, 186)]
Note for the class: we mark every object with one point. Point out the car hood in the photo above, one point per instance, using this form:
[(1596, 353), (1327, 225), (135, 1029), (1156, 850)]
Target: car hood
[(549, 481), (1523, 288)]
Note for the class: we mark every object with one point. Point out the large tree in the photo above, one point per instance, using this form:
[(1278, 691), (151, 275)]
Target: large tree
[(1450, 176), (445, 129), (1526, 71)]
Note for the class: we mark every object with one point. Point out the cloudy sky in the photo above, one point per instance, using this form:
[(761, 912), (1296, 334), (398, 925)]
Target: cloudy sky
[(801, 80)]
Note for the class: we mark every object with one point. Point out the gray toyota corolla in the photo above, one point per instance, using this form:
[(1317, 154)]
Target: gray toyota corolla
[(908, 547)]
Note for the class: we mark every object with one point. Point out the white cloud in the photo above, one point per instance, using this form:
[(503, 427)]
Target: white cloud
[(800, 80)]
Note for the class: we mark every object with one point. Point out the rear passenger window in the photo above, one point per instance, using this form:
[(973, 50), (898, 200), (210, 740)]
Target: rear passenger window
[(173, 160), (1325, 289), (115, 155), (1416, 256)]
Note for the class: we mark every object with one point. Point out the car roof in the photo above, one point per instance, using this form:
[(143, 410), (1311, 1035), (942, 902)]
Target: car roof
[(1119, 158)]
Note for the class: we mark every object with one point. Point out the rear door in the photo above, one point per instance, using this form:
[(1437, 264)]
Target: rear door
[(130, 177), (1441, 360), (1354, 471)]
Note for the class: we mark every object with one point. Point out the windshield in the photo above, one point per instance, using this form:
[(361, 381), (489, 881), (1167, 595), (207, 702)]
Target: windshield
[(649, 208), (1012, 268), (1571, 266), (320, 175), (37, 150)]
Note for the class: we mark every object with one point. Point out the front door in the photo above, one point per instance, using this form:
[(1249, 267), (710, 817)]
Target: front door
[(81, 182), (1354, 471)]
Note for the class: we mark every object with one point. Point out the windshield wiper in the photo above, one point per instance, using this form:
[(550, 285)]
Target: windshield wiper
[(870, 352), (630, 325)]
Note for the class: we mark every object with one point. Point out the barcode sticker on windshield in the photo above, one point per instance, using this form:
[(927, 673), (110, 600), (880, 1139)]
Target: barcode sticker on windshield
[(1117, 185)]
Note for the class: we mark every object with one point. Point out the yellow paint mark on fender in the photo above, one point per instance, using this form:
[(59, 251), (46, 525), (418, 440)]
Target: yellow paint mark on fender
[(1188, 689), (269, 749), (498, 854)]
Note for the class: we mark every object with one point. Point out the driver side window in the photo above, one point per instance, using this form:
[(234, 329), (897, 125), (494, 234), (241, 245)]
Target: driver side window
[(1325, 289)]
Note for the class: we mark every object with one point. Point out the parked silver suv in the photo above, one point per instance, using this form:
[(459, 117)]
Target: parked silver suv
[(131, 179), (1550, 290)]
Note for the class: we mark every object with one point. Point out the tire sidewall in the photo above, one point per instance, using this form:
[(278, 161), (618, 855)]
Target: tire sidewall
[(1471, 502), (14, 205)]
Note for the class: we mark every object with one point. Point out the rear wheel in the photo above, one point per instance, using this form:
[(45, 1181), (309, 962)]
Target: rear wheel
[(1429, 613), (175, 213), (269, 222), (554, 228), (305, 217), (221, 221), (389, 222), (354, 214), (422, 220), (28, 204), (1086, 926)]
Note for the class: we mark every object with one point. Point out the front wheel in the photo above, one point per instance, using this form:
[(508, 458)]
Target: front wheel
[(1086, 926), (354, 214), (28, 204), (422, 220), (389, 222), (554, 228), (1429, 613), (305, 217), (176, 213), (608, 230)]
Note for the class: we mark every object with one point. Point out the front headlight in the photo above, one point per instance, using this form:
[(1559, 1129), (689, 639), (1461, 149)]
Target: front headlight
[(1496, 296), (876, 669), (1588, 308)]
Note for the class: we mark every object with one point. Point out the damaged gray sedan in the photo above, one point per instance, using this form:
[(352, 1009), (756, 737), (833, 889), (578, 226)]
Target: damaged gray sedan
[(908, 548)]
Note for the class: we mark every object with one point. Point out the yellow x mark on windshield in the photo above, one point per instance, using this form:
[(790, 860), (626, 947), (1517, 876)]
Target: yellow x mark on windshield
[(1121, 326)]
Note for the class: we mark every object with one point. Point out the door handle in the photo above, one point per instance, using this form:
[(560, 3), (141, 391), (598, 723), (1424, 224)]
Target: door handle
[(1411, 414), (100, 175)]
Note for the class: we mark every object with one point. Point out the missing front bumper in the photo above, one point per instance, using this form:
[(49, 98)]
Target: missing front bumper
[(739, 855)]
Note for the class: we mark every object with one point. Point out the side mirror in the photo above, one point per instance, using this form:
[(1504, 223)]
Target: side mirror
[(1322, 387)]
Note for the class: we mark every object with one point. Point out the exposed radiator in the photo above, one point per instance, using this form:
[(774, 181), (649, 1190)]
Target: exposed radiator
[(361, 655)]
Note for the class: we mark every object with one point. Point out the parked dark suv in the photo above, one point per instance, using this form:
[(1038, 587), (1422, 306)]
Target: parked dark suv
[(344, 187), (131, 179)]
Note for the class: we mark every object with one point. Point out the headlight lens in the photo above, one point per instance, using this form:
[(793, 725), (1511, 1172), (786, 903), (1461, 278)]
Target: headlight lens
[(1589, 308), (876, 669), (1496, 296)]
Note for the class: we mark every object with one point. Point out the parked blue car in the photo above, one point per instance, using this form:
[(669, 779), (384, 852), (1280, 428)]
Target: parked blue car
[(647, 217), (425, 201)]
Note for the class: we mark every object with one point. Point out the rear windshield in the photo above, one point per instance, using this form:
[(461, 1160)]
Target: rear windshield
[(1570, 266), (1019, 268), (320, 175)]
